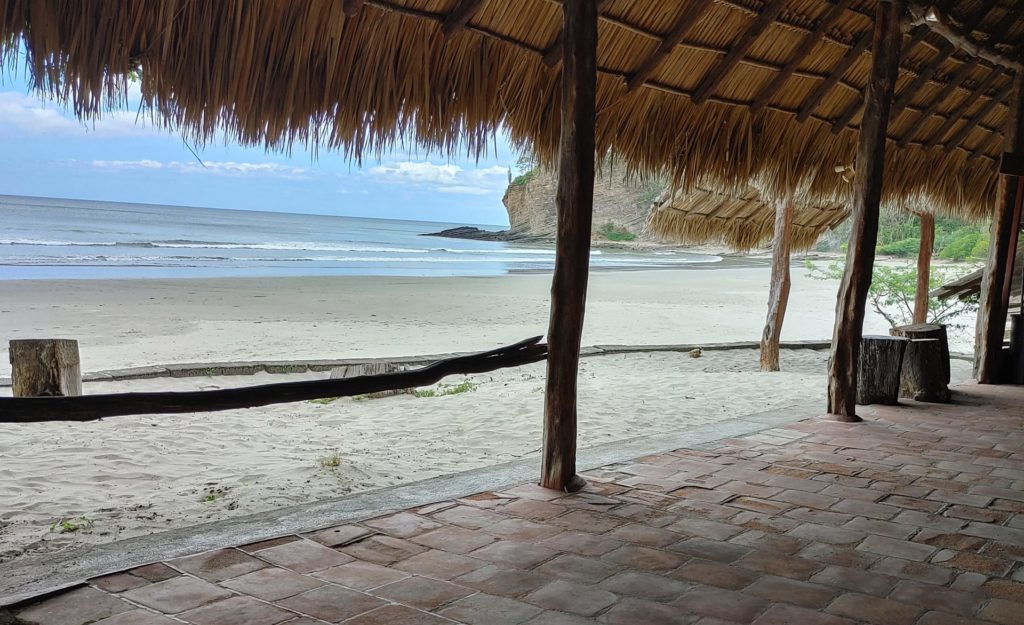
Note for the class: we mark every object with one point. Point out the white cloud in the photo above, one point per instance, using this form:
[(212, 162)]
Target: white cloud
[(443, 178), (215, 168), (28, 115)]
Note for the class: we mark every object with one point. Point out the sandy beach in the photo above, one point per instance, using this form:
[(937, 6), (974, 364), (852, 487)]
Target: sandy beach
[(131, 475)]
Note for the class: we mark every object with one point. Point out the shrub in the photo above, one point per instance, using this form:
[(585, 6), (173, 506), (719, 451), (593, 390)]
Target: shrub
[(524, 177), (614, 233), (962, 248), (905, 248)]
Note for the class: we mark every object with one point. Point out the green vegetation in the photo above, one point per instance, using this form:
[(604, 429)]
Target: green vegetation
[(332, 461), (213, 493), (892, 292), (524, 177), (323, 401), (69, 526), (899, 235), (614, 233), (447, 389)]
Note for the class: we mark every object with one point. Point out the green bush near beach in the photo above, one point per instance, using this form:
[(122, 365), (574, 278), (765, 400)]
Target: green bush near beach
[(614, 233)]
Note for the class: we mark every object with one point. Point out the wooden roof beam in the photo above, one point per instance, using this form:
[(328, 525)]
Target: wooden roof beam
[(939, 23), (961, 134), (714, 78), (805, 48), (955, 116), (460, 16), (819, 93), (351, 8), (944, 52), (683, 24)]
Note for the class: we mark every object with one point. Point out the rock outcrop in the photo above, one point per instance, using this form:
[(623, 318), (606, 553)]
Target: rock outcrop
[(530, 202)]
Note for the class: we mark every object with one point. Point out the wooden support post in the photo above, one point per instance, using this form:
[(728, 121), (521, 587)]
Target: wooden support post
[(992, 311), (45, 368), (867, 189), (574, 199), (779, 294), (924, 267)]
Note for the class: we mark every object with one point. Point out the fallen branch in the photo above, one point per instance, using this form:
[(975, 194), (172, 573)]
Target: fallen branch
[(932, 18), (94, 407)]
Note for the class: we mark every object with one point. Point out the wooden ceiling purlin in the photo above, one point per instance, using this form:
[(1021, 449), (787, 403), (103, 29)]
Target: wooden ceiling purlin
[(844, 65), (958, 79), (956, 115), (686, 20), (917, 35), (714, 78), (975, 121), (799, 55)]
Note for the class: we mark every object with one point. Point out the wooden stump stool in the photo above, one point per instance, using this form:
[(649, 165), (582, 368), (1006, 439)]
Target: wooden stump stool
[(878, 377), (923, 377), (928, 331), (45, 368)]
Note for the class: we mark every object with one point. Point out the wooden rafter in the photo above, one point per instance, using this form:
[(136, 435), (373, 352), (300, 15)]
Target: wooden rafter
[(460, 16), (799, 55), (961, 110), (683, 24), (939, 23), (916, 36), (735, 54), (937, 101), (819, 93), (978, 117)]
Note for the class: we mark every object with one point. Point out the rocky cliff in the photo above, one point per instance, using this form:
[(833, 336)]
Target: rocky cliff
[(530, 202)]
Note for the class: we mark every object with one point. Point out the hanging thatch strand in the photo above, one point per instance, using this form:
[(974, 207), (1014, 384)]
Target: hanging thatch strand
[(362, 76)]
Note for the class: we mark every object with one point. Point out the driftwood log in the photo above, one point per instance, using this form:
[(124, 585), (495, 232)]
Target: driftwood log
[(881, 361), (45, 368), (922, 377), (379, 367), (93, 407), (928, 331)]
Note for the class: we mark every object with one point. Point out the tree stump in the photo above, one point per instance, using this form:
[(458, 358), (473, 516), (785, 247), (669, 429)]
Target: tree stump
[(923, 377), (881, 362), (45, 368), (378, 367), (928, 331)]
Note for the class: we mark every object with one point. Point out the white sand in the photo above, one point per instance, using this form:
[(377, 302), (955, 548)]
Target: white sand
[(135, 475)]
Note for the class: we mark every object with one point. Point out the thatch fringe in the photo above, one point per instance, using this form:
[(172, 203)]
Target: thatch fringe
[(278, 72)]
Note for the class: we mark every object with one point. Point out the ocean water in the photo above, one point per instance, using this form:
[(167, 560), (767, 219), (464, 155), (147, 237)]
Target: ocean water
[(42, 238)]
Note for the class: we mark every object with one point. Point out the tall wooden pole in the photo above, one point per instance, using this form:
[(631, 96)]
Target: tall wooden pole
[(996, 277), (574, 200), (924, 267), (867, 189), (778, 297)]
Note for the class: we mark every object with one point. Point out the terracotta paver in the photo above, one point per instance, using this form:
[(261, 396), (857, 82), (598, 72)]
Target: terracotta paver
[(913, 517)]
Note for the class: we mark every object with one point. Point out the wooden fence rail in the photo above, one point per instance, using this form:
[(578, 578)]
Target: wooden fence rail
[(94, 407)]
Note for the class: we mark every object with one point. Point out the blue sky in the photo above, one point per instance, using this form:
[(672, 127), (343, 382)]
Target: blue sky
[(119, 158)]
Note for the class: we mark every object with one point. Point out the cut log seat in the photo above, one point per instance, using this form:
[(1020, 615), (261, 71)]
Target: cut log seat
[(928, 331), (881, 361), (45, 368), (923, 378)]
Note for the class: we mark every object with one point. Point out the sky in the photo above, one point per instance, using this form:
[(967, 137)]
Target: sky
[(47, 152)]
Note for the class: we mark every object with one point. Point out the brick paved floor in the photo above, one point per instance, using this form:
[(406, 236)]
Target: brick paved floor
[(914, 517)]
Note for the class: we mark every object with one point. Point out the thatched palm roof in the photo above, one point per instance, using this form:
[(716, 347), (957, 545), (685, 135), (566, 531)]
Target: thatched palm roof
[(742, 221), (731, 93)]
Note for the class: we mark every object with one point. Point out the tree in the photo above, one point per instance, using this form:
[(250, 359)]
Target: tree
[(892, 293)]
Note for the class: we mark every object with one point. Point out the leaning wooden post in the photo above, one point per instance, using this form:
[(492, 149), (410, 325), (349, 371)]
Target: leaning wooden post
[(924, 267), (45, 368), (574, 199), (867, 189), (995, 281), (778, 297)]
